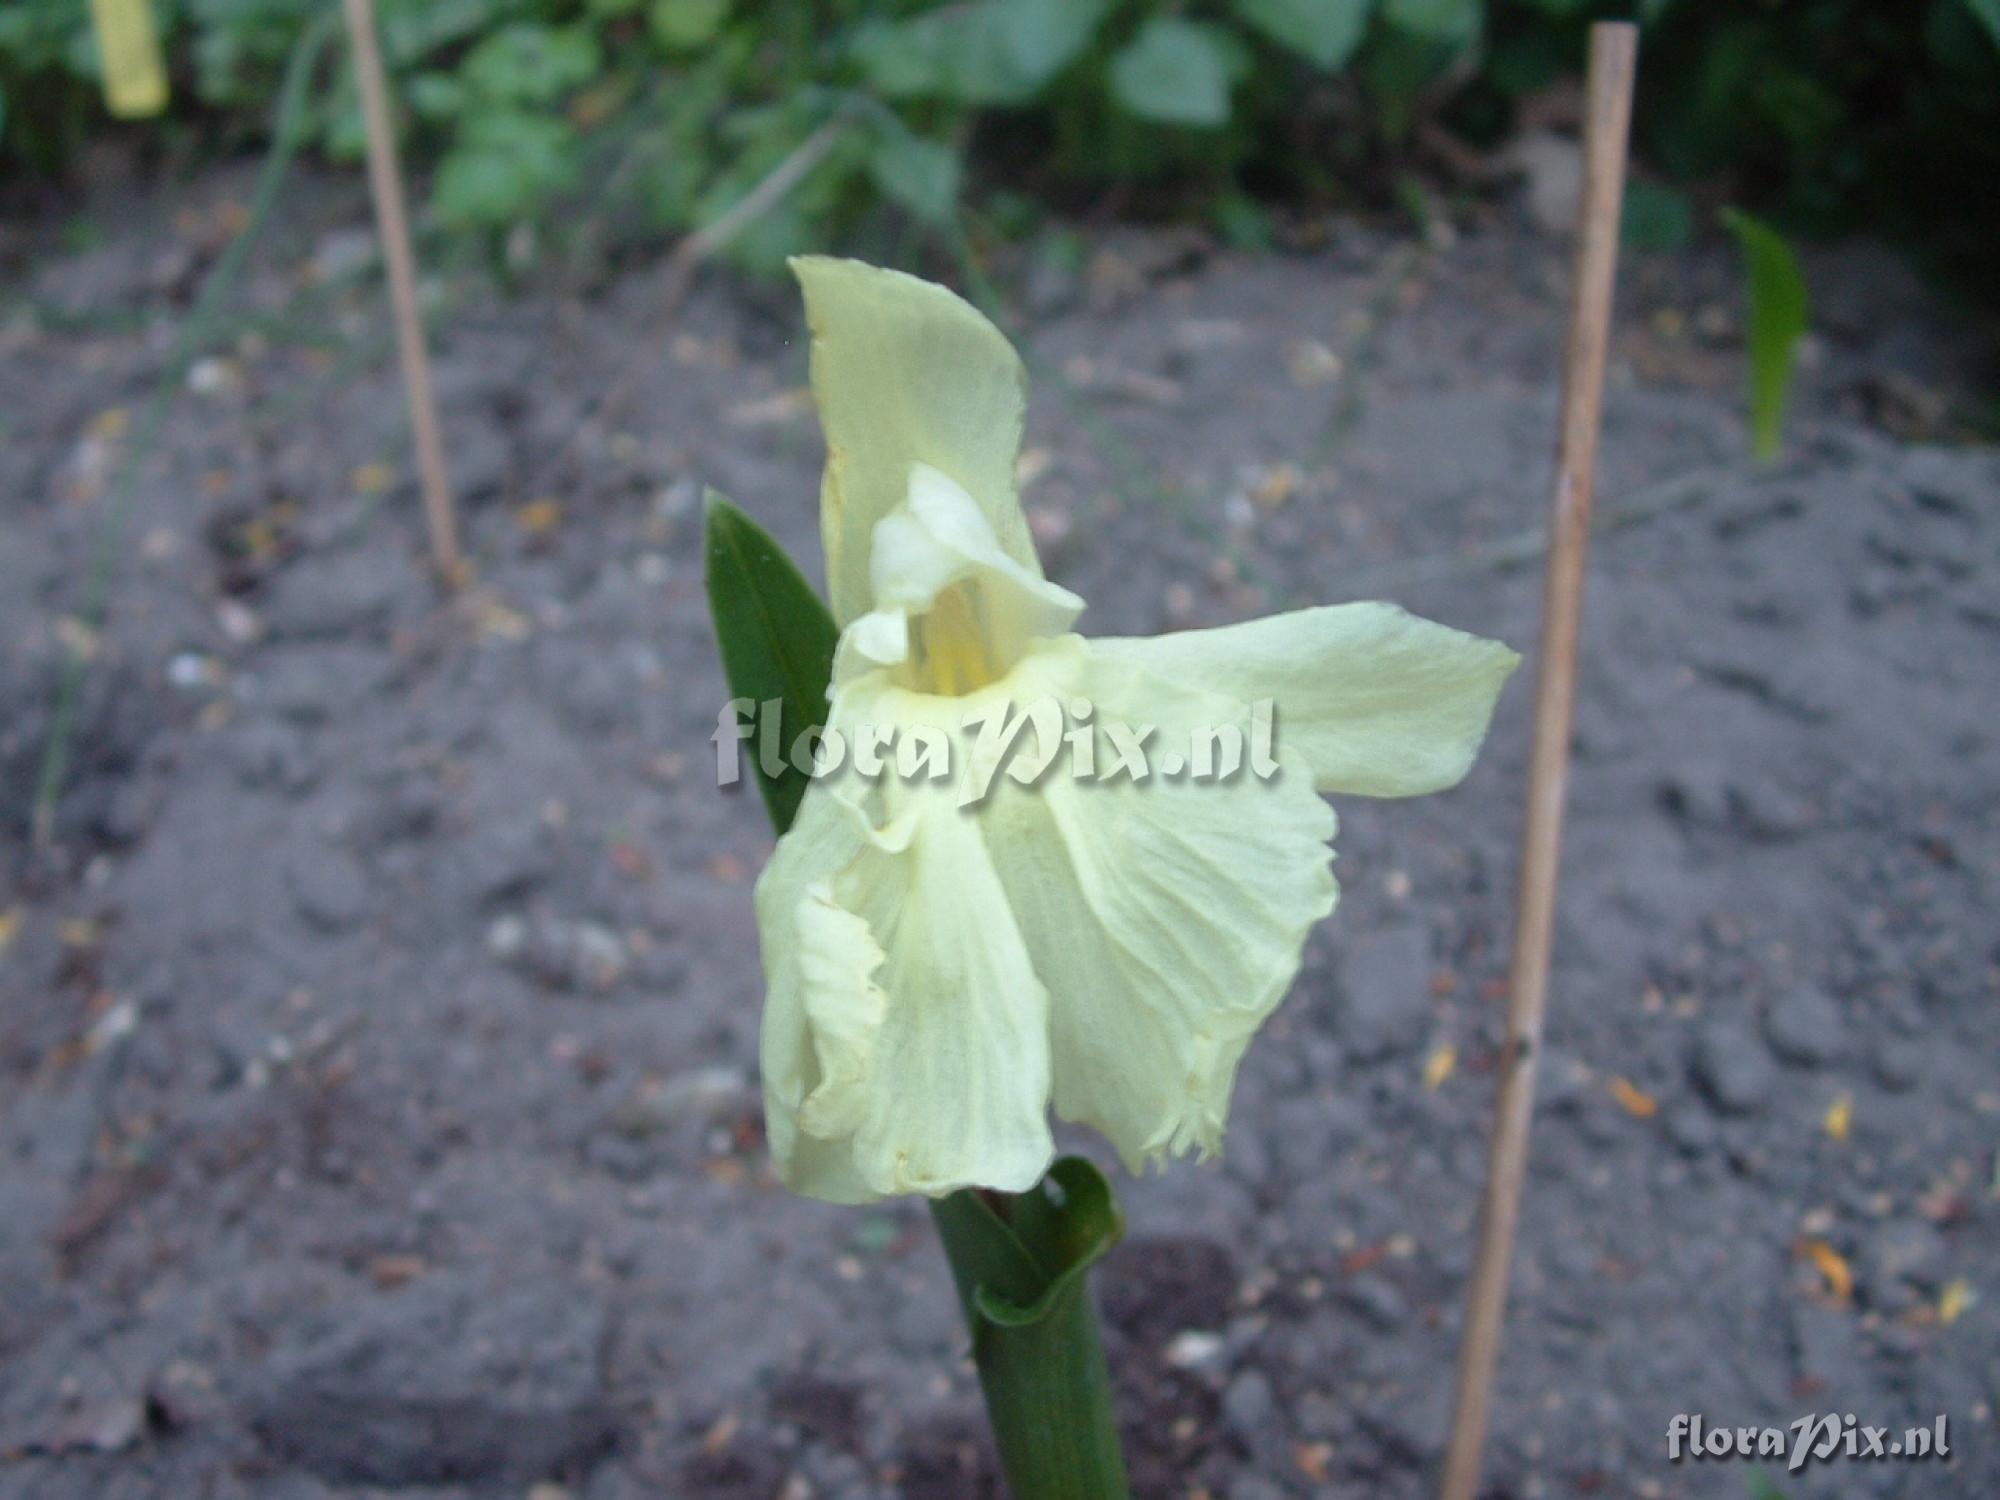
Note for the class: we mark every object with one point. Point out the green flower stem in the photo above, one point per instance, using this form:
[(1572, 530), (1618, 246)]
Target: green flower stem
[(1034, 1330)]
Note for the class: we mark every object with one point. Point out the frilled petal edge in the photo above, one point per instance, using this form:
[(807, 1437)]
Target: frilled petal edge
[(905, 1041), (1167, 916)]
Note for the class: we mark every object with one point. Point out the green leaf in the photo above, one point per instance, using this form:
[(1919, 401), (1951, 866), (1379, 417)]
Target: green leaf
[(1174, 72), (1987, 12), (683, 25), (1323, 32), (1655, 218), (503, 168), (530, 64), (922, 176), (1776, 291), (1042, 37), (1070, 1220), (1021, 1265), (1013, 1270), (775, 637), (435, 96), (1243, 222), (412, 30), (988, 52), (1453, 22), (987, 1257)]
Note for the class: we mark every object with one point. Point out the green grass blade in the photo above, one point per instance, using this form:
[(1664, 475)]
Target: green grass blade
[(1778, 311)]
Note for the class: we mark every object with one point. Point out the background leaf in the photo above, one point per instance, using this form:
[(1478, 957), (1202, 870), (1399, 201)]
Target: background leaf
[(683, 25), (1174, 72), (1988, 14), (1776, 290), (1655, 218), (1454, 22), (921, 175), (999, 52), (529, 64), (1323, 32), (505, 166)]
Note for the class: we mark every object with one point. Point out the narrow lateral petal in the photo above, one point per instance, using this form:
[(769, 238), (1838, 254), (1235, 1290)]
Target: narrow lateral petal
[(905, 372), (1380, 702), (1167, 916)]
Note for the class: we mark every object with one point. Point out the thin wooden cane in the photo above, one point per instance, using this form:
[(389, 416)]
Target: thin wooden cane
[(1613, 56), (385, 185)]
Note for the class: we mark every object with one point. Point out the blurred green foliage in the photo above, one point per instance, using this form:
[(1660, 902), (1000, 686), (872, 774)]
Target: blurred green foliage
[(658, 115), (1776, 291)]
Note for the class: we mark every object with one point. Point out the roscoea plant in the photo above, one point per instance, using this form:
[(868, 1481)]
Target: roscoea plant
[(1083, 895)]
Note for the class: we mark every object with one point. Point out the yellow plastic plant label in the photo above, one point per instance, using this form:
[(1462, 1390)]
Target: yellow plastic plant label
[(128, 45)]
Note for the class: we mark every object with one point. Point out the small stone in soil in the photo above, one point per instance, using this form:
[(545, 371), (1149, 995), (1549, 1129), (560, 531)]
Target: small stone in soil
[(1377, 1301), (504, 859), (1733, 1068), (1899, 1065), (1386, 1008), (1905, 1251), (442, 1382), (1805, 1027), (270, 754), (328, 887)]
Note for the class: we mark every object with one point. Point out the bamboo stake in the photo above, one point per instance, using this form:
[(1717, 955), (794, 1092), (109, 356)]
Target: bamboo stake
[(385, 186), (1613, 54)]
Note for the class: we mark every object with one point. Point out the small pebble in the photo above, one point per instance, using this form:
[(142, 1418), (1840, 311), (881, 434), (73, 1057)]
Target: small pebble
[(1733, 1068), (1805, 1028), (329, 889), (1899, 1065)]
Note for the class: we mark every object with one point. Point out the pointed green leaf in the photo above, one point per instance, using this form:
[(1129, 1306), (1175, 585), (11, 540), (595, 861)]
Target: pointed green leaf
[(921, 175), (1174, 72), (775, 637), (1988, 14), (1023, 1279), (986, 1255), (1778, 310), (1454, 23), (1068, 1221), (1323, 32)]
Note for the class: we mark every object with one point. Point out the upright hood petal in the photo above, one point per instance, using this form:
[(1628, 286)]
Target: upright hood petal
[(905, 373)]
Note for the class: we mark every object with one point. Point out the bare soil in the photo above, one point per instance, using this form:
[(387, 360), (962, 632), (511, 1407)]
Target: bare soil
[(377, 1097)]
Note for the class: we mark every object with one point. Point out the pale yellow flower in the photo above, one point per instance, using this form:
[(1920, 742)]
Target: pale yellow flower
[(940, 974)]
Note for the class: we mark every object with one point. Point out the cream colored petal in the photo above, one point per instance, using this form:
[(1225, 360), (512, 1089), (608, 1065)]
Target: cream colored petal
[(905, 372), (1167, 917), (845, 1009), (905, 1034), (823, 840), (1380, 702)]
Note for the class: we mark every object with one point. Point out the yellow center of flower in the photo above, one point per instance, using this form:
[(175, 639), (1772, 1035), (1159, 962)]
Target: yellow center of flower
[(950, 654)]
